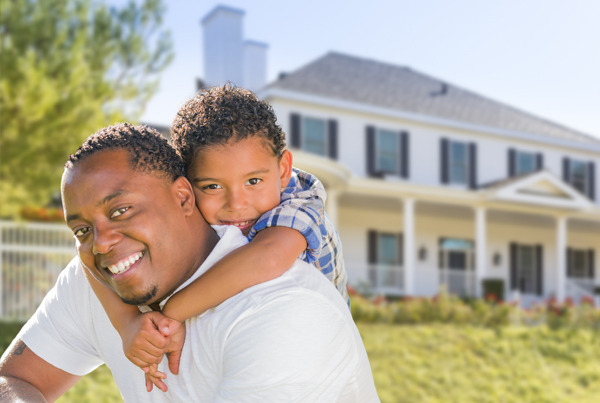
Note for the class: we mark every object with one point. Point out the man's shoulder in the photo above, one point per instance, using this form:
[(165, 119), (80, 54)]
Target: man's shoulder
[(302, 288)]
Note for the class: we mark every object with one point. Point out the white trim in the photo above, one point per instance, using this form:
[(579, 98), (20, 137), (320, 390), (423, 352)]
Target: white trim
[(417, 117), (511, 193)]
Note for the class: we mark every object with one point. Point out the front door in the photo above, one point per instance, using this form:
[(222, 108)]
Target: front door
[(456, 266)]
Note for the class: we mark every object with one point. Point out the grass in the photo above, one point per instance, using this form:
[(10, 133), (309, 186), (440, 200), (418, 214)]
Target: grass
[(448, 363)]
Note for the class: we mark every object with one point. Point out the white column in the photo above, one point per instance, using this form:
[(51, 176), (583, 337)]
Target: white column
[(481, 251), (561, 247), (409, 246), (331, 206)]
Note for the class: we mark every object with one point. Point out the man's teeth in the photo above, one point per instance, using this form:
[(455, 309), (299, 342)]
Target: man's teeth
[(124, 264)]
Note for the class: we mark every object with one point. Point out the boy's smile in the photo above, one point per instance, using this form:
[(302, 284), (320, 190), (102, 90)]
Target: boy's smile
[(238, 182)]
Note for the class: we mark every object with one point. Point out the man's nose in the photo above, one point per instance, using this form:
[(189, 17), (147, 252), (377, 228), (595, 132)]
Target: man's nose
[(236, 201), (105, 238)]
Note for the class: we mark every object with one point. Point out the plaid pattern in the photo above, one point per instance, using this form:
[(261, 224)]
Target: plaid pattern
[(302, 208)]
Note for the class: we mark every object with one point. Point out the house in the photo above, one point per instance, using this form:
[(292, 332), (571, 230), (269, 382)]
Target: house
[(430, 184)]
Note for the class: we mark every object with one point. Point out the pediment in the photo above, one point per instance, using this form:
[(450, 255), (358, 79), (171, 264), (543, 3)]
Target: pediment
[(540, 188)]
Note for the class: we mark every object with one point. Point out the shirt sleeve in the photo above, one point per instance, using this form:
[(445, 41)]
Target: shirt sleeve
[(299, 349), (57, 331), (302, 208)]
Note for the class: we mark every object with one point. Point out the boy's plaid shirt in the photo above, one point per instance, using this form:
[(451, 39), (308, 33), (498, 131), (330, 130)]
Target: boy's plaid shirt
[(302, 208)]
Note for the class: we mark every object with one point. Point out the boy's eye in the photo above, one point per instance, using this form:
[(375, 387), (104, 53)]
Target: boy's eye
[(119, 211), (253, 181), (212, 186), (81, 232)]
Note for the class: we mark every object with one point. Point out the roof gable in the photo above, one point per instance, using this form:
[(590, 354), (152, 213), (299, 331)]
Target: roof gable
[(389, 86), (540, 188)]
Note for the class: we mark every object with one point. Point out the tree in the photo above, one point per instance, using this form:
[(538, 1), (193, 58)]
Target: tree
[(68, 68)]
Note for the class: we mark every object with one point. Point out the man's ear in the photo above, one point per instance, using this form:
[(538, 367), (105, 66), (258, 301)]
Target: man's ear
[(285, 167), (185, 195)]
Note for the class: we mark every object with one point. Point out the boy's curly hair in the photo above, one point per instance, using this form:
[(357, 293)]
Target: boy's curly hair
[(220, 113), (149, 151)]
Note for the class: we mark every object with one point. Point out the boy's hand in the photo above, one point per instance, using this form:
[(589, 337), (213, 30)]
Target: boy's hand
[(143, 343), (154, 376), (174, 348)]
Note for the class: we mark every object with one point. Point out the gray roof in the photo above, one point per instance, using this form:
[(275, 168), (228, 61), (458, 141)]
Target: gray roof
[(385, 85)]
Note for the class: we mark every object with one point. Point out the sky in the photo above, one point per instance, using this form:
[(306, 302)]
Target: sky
[(541, 56)]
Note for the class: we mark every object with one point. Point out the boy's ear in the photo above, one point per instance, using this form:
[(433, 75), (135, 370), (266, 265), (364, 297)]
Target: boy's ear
[(185, 195), (285, 168)]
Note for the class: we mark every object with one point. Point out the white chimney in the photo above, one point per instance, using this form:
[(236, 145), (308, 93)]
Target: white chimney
[(227, 57), (223, 49), (255, 65)]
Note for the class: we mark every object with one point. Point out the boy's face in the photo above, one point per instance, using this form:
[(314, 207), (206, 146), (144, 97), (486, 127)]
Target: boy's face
[(237, 182)]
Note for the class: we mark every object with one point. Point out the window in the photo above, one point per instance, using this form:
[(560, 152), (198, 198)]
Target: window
[(526, 269), (313, 136), (458, 163), (388, 252), (388, 150), (579, 265), (526, 162), (579, 175)]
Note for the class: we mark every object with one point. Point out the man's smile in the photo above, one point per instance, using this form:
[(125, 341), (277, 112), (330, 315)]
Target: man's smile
[(124, 264)]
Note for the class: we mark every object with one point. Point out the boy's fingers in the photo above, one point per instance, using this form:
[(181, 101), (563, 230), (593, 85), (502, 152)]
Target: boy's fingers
[(174, 358), (156, 373), (158, 382), (148, 384)]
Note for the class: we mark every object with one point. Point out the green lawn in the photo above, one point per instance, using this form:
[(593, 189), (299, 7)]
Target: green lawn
[(449, 363)]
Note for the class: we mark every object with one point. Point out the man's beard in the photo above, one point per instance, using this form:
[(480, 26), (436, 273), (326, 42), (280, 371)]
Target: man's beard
[(141, 299)]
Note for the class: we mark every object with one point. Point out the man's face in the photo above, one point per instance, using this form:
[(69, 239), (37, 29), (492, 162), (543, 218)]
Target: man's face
[(127, 226)]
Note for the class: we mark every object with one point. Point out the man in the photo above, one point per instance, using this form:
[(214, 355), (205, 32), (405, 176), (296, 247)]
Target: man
[(126, 200)]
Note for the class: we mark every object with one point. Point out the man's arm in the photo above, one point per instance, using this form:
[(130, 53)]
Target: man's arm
[(25, 377)]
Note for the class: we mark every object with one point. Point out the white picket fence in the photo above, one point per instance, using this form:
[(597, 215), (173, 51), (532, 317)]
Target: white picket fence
[(32, 256)]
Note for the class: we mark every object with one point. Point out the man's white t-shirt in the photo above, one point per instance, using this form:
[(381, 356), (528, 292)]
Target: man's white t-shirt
[(291, 339)]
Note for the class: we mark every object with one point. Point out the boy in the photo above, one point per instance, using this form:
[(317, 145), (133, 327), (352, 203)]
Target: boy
[(242, 175)]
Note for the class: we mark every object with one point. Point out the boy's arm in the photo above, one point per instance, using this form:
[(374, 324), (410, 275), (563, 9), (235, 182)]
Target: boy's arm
[(268, 256), (143, 343), (119, 313)]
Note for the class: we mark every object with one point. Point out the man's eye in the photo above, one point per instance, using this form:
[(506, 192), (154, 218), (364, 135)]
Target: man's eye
[(212, 186), (81, 232), (253, 181), (119, 211)]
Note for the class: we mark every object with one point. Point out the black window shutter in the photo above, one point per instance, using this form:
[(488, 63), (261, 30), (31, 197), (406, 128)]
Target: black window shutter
[(512, 163), (441, 262), (514, 280), (539, 159), (372, 245), (539, 269), (404, 155), (332, 145), (473, 165), (444, 148), (566, 170), (295, 120), (371, 151), (569, 262), (592, 268), (592, 181)]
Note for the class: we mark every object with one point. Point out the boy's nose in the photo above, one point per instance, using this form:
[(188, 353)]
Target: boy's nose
[(236, 202)]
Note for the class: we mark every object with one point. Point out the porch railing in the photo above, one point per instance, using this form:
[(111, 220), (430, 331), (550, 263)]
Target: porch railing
[(578, 288), (459, 282), (31, 257), (378, 278)]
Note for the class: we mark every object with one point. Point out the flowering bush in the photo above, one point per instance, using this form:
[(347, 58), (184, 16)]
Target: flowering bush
[(488, 312), (42, 214)]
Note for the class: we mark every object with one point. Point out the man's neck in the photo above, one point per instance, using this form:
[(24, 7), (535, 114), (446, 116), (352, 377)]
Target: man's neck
[(203, 242)]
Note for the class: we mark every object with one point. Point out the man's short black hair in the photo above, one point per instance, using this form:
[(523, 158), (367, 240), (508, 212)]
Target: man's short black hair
[(221, 113), (149, 151)]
